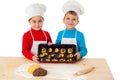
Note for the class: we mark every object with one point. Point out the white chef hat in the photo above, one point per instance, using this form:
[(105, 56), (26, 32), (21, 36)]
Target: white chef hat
[(35, 10), (72, 5)]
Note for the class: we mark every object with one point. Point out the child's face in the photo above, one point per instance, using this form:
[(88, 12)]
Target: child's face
[(70, 21), (36, 22)]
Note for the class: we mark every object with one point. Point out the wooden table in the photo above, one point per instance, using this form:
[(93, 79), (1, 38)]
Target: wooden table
[(9, 64)]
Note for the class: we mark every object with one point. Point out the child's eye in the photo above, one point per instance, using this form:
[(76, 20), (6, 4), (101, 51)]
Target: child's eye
[(40, 21), (34, 21), (74, 19), (67, 18)]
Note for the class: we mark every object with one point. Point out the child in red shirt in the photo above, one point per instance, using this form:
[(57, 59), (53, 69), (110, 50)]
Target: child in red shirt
[(35, 36)]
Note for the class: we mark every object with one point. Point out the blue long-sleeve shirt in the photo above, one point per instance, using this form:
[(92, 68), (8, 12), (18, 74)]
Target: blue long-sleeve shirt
[(79, 38)]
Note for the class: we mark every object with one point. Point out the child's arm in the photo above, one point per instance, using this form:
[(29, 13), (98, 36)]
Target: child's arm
[(59, 38), (49, 39), (81, 45), (26, 47)]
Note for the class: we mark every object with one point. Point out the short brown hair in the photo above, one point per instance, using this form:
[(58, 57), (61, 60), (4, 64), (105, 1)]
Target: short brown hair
[(73, 13)]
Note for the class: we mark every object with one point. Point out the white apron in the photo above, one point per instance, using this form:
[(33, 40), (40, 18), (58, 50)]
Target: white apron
[(69, 40), (35, 44)]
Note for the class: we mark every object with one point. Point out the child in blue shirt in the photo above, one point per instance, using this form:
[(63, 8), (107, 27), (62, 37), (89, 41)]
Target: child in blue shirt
[(71, 35)]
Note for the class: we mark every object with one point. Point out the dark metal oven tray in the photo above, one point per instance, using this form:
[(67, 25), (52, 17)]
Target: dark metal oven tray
[(57, 53)]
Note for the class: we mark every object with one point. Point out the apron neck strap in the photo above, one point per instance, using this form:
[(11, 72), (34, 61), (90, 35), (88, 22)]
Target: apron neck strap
[(65, 31), (31, 35)]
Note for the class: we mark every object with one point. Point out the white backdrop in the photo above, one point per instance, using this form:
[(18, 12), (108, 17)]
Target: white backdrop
[(99, 24)]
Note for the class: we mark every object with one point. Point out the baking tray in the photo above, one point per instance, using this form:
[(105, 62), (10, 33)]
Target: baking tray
[(57, 53)]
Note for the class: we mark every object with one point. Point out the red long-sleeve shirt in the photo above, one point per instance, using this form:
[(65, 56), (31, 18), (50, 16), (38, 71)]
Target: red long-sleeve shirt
[(27, 41)]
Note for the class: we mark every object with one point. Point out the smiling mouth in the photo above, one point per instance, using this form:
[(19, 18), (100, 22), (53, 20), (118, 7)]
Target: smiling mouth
[(70, 24), (38, 26)]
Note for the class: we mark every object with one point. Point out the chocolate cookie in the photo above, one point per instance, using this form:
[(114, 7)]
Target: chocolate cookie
[(40, 72)]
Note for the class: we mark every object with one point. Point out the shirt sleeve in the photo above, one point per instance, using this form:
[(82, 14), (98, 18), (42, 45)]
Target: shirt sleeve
[(49, 39), (81, 45), (59, 38), (26, 47)]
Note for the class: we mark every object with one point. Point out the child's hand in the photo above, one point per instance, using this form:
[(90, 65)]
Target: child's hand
[(35, 58), (49, 43), (77, 54)]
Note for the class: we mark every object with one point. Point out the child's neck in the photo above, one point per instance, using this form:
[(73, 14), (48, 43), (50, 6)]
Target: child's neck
[(70, 28)]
